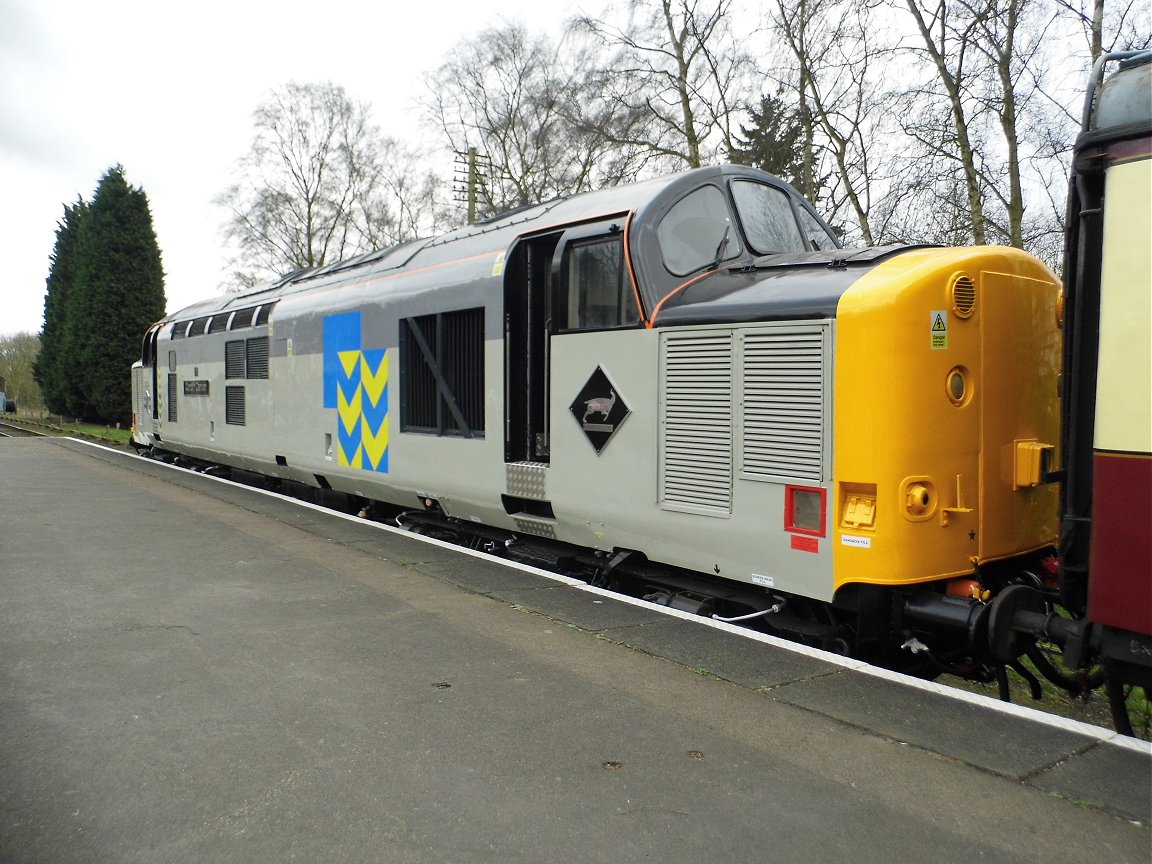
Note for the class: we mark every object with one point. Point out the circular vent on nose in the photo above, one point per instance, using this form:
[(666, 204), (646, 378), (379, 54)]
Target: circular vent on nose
[(963, 293)]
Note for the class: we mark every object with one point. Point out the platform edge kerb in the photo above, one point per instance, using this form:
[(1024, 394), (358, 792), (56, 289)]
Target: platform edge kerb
[(1089, 731)]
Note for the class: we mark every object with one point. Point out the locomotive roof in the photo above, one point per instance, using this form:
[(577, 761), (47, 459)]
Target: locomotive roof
[(490, 236)]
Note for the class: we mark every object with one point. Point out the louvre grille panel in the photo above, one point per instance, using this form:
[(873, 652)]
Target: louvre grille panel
[(784, 404), (234, 405), (696, 434), (234, 359), (171, 398), (257, 351)]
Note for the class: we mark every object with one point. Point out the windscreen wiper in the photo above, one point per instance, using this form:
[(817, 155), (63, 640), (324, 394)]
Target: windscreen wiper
[(721, 247)]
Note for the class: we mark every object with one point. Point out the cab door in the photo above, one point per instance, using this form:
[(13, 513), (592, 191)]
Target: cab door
[(527, 332)]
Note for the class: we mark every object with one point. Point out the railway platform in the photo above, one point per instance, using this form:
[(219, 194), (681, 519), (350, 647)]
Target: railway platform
[(192, 670)]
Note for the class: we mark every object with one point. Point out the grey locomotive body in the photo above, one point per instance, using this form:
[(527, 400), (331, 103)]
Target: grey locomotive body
[(685, 379), (518, 374)]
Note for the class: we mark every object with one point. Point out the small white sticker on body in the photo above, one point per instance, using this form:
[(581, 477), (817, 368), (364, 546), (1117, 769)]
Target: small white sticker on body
[(761, 579), (858, 542)]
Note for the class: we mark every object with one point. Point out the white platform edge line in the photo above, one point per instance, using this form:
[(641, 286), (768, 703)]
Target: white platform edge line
[(1107, 736)]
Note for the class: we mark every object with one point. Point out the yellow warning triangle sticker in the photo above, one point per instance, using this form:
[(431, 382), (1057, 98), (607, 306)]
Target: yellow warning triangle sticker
[(938, 325)]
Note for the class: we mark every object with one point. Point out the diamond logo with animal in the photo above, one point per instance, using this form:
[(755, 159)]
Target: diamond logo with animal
[(599, 409)]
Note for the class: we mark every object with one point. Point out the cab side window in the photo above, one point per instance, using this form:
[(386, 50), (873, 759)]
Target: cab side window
[(599, 295), (817, 236)]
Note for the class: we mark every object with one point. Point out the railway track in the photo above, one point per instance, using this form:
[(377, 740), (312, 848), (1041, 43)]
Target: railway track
[(10, 430)]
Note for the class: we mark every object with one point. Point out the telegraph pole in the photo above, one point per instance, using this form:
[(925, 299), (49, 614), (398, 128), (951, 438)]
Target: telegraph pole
[(468, 178)]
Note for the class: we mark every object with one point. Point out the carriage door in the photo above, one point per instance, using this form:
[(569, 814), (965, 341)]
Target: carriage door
[(152, 406), (527, 325)]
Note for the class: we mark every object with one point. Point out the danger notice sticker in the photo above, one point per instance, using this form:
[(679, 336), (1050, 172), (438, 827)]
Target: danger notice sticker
[(939, 330)]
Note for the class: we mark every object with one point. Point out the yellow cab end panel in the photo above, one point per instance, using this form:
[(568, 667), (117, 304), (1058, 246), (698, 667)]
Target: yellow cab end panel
[(946, 360)]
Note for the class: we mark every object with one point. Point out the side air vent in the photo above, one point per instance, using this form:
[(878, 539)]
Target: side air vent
[(234, 406), (696, 422), (257, 351), (783, 379), (442, 373), (963, 291), (171, 398), (234, 359)]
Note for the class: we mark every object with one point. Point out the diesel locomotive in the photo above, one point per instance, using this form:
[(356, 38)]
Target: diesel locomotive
[(683, 388), (685, 377)]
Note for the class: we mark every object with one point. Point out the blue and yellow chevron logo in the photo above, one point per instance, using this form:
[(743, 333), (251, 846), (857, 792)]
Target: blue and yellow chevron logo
[(356, 385)]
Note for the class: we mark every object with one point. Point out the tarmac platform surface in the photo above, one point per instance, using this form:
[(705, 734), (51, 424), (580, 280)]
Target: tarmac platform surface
[(192, 671)]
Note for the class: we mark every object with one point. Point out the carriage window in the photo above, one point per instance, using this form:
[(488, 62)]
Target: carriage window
[(599, 293), (767, 218), (696, 232)]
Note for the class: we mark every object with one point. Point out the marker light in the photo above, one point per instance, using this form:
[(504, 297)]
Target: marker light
[(958, 386)]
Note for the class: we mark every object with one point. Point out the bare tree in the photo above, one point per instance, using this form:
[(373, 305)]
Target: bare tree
[(18, 355), (1119, 25), (314, 187), (989, 59), (831, 44), (998, 28), (528, 107), (407, 200), (947, 43), (679, 65)]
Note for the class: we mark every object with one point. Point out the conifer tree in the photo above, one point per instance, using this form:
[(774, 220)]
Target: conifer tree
[(121, 296), (772, 143), (54, 370), (105, 288)]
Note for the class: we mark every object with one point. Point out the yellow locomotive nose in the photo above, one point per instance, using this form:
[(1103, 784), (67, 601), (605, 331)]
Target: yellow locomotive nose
[(946, 367)]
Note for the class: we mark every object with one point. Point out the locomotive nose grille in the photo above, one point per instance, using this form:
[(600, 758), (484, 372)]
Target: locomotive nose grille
[(963, 293)]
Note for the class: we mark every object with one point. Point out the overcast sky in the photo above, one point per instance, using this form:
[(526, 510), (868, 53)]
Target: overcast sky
[(167, 90)]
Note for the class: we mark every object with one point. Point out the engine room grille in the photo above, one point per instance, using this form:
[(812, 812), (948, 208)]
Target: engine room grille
[(257, 355), (783, 388), (171, 398), (442, 373), (696, 422), (234, 405), (246, 358), (234, 359)]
